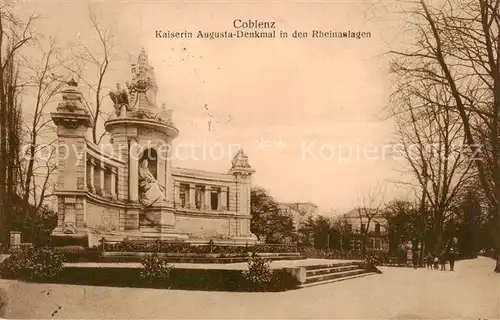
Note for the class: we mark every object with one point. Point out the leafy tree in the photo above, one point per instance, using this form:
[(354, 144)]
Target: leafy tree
[(267, 220), (306, 232), (322, 230)]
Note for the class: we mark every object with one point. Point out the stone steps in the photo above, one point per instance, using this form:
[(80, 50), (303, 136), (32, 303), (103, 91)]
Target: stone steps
[(328, 273), (317, 272), (332, 265), (312, 284)]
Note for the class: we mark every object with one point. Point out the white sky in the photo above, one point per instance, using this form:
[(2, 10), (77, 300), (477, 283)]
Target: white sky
[(324, 92)]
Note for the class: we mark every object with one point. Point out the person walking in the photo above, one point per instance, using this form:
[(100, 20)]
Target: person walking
[(451, 259), (429, 261), (415, 259), (442, 261)]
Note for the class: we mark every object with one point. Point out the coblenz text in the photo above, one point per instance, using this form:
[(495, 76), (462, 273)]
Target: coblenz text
[(253, 24)]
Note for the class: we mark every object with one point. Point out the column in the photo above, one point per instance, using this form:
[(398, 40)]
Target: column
[(244, 195), (133, 184), (113, 182), (208, 198), (168, 174), (223, 198), (192, 196), (92, 173), (101, 179), (177, 192), (160, 170)]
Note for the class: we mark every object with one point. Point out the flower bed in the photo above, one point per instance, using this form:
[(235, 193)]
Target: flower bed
[(184, 279), (184, 247)]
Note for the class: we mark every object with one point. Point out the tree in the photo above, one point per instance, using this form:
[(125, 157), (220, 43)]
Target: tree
[(322, 232), (14, 35), (91, 67), (44, 83), (306, 232), (403, 223), (340, 227), (371, 202), (267, 220), (455, 48), (431, 138)]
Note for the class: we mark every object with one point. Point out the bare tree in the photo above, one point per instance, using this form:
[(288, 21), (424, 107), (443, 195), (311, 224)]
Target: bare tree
[(431, 136), (457, 48), (92, 65), (44, 84), (14, 35), (371, 202)]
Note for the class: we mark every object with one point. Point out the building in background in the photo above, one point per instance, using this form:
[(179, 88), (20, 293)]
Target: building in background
[(307, 208), (360, 221), (299, 211)]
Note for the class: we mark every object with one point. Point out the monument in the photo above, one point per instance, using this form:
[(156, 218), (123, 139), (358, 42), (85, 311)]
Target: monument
[(134, 191)]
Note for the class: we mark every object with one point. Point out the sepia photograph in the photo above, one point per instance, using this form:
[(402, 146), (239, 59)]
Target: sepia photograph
[(274, 159)]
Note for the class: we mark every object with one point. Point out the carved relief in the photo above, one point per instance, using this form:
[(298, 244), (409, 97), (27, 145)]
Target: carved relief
[(102, 219), (69, 227)]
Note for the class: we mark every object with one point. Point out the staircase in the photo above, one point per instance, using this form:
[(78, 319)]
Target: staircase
[(328, 273)]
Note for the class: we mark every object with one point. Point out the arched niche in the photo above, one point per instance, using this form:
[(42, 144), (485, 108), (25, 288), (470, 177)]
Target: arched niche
[(151, 155)]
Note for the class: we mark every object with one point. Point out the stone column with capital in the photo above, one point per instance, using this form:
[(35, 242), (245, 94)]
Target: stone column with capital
[(102, 171), (177, 194), (192, 196), (208, 198), (223, 199), (133, 183), (114, 172), (91, 176)]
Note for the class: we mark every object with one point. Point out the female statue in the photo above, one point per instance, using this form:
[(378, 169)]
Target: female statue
[(150, 190)]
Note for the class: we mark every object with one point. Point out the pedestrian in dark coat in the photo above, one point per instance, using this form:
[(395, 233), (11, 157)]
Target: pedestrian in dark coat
[(442, 261), (451, 259)]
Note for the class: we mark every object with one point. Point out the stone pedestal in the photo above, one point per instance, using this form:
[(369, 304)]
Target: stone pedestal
[(15, 239), (161, 217), (72, 120), (159, 222), (132, 219)]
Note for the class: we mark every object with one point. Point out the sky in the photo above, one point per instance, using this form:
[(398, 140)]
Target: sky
[(305, 111)]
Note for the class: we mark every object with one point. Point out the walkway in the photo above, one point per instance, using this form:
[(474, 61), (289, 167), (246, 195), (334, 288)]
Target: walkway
[(470, 292)]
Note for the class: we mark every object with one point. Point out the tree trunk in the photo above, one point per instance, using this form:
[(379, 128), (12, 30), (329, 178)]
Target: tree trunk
[(497, 239)]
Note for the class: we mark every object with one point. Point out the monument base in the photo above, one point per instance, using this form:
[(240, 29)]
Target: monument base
[(59, 238)]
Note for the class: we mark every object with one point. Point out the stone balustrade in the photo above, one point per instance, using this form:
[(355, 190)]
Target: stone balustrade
[(198, 196), (102, 173)]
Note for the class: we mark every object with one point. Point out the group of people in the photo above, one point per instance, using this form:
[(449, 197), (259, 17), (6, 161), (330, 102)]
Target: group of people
[(438, 262)]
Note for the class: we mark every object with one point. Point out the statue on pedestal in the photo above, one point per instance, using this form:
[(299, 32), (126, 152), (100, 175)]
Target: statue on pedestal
[(119, 98), (240, 160), (150, 190)]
